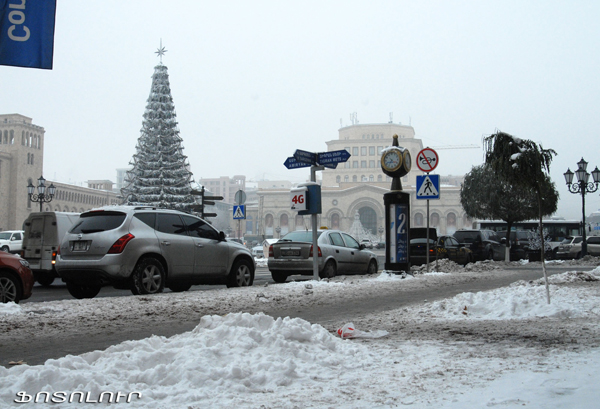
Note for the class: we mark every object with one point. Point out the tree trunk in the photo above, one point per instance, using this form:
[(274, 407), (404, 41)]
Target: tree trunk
[(543, 245)]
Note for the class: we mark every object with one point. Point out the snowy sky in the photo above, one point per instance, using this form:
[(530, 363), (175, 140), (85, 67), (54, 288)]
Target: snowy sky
[(253, 81), (253, 360)]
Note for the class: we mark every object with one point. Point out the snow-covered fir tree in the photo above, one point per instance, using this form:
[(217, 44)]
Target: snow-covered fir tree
[(160, 175)]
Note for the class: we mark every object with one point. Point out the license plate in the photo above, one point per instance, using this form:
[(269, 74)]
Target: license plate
[(80, 245), (290, 253)]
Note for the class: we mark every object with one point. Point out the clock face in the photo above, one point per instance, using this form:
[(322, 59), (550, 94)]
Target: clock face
[(407, 162), (391, 160)]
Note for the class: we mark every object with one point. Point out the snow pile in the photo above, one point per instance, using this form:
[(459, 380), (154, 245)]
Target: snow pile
[(10, 308), (522, 300), (218, 364)]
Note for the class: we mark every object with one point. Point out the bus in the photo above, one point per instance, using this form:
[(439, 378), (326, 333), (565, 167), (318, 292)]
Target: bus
[(557, 229)]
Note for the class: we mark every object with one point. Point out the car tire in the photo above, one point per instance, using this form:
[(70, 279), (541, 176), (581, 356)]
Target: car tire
[(148, 277), (10, 288), (45, 279), (329, 271), (241, 274), (372, 268), (5, 248), (278, 276), (490, 255), (82, 291), (179, 287)]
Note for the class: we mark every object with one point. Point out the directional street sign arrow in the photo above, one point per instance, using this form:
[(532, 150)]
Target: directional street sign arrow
[(306, 157), (213, 197), (325, 158), (292, 163)]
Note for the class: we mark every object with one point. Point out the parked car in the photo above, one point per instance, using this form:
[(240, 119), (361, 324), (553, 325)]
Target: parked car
[(145, 249), (257, 251), (43, 233), (16, 279), (367, 243), (519, 243), (338, 253), (571, 247), (11, 241), (442, 247), (563, 251), (485, 244)]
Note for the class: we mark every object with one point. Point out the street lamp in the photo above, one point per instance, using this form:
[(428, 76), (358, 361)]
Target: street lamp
[(42, 196), (278, 230), (582, 186)]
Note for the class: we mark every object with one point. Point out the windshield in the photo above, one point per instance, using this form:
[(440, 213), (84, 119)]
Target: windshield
[(5, 236), (300, 236)]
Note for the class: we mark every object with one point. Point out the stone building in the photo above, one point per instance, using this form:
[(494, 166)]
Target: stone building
[(21, 163)]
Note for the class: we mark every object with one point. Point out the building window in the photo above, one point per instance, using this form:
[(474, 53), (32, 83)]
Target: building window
[(435, 220), (354, 178), (371, 163), (379, 178), (379, 149), (363, 178), (346, 178), (363, 150), (355, 164), (363, 163), (355, 151), (418, 220), (335, 221), (371, 178), (371, 150), (338, 179)]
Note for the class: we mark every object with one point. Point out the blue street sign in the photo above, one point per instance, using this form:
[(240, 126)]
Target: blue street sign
[(325, 158), (428, 186), (239, 212), (306, 157), (292, 163)]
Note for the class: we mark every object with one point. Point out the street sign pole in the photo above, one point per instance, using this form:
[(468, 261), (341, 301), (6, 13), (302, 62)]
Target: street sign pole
[(313, 217)]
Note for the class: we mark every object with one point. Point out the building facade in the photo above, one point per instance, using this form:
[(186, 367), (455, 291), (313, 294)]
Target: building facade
[(21, 163), (354, 190)]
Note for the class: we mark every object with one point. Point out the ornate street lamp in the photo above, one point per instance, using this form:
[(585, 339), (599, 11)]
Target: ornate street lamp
[(582, 186), (42, 196), (278, 230)]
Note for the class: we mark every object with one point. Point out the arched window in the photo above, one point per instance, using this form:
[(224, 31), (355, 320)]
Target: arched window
[(299, 223), (335, 221), (23, 140), (338, 179), (418, 220), (269, 225), (32, 158), (371, 178), (12, 137), (354, 178), (284, 225), (450, 223), (435, 220), (379, 178), (346, 178)]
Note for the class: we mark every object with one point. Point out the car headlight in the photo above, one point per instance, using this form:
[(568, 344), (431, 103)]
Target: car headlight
[(24, 262)]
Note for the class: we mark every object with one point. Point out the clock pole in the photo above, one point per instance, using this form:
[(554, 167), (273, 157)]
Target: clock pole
[(396, 163)]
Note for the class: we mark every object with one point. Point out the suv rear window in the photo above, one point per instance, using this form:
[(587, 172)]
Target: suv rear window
[(94, 222), (467, 236), (301, 236)]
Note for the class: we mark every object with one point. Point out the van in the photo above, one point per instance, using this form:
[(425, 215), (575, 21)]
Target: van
[(43, 234)]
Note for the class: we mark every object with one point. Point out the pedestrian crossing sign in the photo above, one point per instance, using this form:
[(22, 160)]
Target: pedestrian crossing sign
[(428, 187), (239, 212)]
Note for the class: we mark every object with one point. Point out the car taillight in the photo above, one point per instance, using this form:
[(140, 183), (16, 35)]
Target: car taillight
[(271, 253), (120, 244), (319, 254), (54, 254)]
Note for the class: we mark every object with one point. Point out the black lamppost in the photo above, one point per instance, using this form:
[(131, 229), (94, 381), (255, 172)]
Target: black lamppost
[(42, 196), (582, 186)]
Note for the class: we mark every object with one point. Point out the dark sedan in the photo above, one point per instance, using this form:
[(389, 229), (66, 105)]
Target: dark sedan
[(440, 248)]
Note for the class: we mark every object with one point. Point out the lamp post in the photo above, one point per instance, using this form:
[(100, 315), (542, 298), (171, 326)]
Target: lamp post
[(42, 196), (278, 230), (582, 186)]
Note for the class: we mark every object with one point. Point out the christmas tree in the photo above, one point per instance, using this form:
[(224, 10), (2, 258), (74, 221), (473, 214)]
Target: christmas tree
[(160, 175)]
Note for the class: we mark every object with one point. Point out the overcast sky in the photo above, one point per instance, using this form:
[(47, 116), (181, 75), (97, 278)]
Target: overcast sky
[(252, 81)]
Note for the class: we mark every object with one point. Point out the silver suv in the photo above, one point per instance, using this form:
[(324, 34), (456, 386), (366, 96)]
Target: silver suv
[(145, 249)]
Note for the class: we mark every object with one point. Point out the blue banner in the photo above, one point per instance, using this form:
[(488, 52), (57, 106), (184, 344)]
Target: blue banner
[(27, 33)]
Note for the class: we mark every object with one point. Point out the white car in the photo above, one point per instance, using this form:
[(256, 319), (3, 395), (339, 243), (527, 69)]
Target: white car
[(11, 241)]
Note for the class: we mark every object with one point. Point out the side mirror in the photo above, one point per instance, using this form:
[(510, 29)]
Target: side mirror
[(362, 247), (503, 240), (221, 236)]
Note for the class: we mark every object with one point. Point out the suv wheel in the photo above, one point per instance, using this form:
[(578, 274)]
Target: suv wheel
[(240, 275), (81, 291), (148, 277), (10, 289), (278, 276)]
